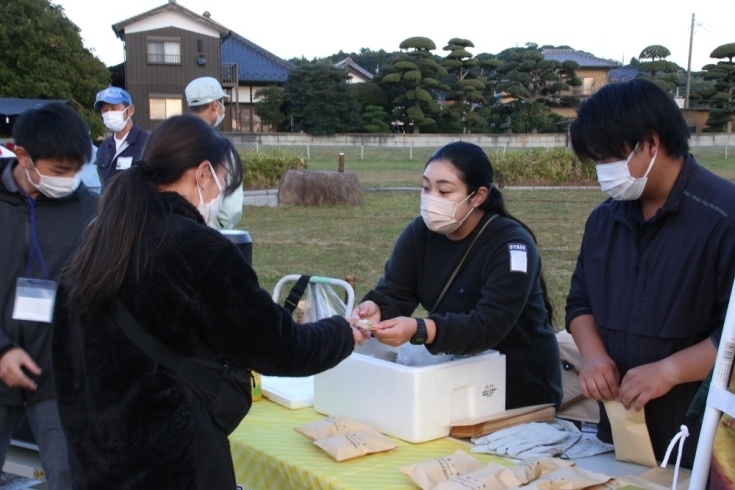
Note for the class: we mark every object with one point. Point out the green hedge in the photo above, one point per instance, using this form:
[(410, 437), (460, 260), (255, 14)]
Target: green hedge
[(538, 166), (264, 169)]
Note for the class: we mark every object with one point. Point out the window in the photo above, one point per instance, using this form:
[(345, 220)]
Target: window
[(587, 88), (163, 107), (166, 51)]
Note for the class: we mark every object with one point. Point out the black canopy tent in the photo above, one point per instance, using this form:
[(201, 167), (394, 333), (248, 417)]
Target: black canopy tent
[(10, 109)]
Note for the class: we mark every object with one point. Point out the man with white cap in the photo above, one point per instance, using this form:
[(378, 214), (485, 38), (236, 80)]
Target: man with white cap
[(205, 98), (120, 150)]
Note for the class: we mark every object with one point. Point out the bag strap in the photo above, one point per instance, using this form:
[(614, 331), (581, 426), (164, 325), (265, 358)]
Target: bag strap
[(461, 263), (160, 353), (296, 293)]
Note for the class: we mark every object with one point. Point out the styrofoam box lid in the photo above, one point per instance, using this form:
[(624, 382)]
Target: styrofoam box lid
[(291, 393)]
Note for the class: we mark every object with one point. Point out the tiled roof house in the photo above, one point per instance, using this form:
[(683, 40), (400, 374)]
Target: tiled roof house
[(592, 71), (357, 73), (168, 46)]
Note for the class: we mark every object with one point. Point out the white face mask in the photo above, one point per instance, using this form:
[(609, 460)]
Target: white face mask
[(616, 181), (210, 210), (219, 118), (439, 214), (115, 120), (55, 187)]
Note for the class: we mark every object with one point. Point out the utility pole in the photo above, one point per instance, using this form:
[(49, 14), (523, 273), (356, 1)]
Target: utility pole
[(689, 65)]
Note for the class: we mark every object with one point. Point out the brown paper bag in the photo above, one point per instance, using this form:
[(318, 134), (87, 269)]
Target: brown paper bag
[(569, 478), (531, 469), (630, 435), (653, 479), (428, 474), (355, 444), (329, 427), (492, 476)]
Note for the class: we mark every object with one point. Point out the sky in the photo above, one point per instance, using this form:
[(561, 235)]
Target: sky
[(290, 28)]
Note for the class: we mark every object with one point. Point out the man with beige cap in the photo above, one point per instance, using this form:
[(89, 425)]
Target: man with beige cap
[(205, 98)]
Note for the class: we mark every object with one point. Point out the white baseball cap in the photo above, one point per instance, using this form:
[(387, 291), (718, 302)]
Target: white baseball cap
[(203, 91)]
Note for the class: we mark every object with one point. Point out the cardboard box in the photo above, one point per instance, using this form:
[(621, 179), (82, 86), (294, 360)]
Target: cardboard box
[(416, 404)]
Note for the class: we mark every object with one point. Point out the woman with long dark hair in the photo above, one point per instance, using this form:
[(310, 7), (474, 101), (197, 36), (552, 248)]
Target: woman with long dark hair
[(131, 421), (477, 271)]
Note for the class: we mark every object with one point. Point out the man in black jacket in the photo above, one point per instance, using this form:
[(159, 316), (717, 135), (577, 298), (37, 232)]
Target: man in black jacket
[(656, 266), (44, 208)]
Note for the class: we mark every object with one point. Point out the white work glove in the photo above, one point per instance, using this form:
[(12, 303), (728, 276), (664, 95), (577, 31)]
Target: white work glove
[(521, 441)]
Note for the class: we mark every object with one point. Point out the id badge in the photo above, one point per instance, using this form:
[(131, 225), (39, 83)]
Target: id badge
[(34, 300), (123, 163)]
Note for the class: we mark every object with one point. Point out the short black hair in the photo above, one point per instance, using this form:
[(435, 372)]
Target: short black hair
[(620, 115), (54, 131)]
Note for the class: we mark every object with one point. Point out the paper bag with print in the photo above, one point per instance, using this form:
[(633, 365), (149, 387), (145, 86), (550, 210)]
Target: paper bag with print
[(494, 476), (355, 444), (428, 474), (630, 435), (569, 478), (530, 469), (329, 427)]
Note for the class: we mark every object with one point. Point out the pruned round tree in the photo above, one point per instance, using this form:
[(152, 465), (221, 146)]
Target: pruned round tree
[(417, 73), (469, 83), (533, 82), (655, 52), (658, 70), (721, 98)]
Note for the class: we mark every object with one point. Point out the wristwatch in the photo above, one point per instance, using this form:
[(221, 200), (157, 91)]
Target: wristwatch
[(420, 337)]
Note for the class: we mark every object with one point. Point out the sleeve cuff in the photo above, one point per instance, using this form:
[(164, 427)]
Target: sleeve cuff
[(574, 314)]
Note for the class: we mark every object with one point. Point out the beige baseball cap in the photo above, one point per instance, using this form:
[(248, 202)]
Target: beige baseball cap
[(203, 91)]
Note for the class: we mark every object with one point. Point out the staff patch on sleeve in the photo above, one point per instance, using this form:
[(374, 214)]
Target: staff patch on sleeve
[(518, 257)]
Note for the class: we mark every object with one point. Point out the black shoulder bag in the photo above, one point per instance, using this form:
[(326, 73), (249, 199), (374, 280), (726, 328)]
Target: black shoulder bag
[(224, 388), (461, 263)]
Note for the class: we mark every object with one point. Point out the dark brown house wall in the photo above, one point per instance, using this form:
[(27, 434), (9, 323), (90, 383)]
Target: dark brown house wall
[(143, 78)]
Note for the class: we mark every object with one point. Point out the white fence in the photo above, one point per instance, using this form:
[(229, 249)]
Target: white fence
[(551, 140)]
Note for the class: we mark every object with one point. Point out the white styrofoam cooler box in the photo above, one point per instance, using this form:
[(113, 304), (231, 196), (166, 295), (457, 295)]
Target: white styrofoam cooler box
[(416, 404)]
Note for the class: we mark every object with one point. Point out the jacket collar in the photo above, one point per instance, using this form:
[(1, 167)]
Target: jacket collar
[(631, 210), (8, 181), (131, 137), (133, 134), (673, 202), (176, 204)]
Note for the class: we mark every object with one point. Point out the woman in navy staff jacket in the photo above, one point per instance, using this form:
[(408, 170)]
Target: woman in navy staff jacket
[(498, 299)]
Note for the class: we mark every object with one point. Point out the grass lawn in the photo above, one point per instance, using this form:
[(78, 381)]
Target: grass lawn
[(341, 241)]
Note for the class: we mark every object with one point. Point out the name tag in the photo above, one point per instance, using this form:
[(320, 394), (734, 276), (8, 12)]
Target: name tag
[(34, 300), (518, 257), (124, 163)]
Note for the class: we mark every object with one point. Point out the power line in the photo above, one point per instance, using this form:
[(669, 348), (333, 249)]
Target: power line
[(716, 31)]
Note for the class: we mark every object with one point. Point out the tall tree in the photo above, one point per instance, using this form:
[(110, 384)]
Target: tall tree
[(722, 97), (43, 57), (270, 106), (658, 70), (321, 101), (418, 73), (526, 76), (533, 82), (467, 89)]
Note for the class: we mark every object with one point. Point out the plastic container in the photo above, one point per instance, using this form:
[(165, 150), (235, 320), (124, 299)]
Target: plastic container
[(416, 404)]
